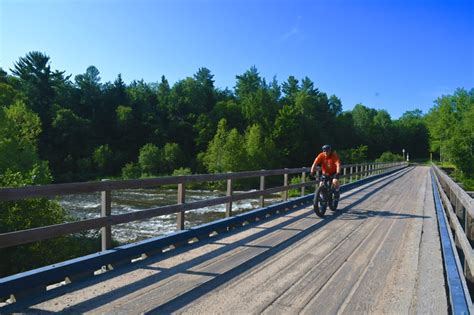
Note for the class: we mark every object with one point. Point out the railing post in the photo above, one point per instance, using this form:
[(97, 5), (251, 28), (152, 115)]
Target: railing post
[(303, 180), (344, 175), (105, 211), (285, 183), (181, 200), (228, 206), (350, 171), (262, 187)]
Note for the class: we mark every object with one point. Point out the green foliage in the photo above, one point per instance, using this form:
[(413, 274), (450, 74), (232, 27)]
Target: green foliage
[(173, 157), (213, 158), (103, 158), (70, 136), (182, 171), (150, 159), (225, 151), (389, 157), (354, 155), (412, 134), (19, 129), (294, 120), (131, 171), (261, 152), (8, 95), (451, 126), (124, 115), (295, 192)]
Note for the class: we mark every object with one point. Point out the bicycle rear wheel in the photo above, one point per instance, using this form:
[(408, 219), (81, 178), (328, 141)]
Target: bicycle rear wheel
[(319, 202)]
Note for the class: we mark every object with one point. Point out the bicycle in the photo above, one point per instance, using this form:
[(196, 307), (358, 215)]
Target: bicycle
[(325, 195)]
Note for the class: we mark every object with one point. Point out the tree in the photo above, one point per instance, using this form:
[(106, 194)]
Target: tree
[(206, 90), (173, 157), (19, 131), (287, 134), (131, 171), (8, 95), (70, 141), (124, 116), (213, 159), (248, 83), (20, 166), (103, 159), (354, 155), (411, 134), (90, 94), (383, 136), (389, 157), (261, 153), (38, 83), (335, 105), (449, 127), (290, 88), (150, 159)]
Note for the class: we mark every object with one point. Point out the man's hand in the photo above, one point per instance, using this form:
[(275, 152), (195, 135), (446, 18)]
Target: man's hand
[(312, 173)]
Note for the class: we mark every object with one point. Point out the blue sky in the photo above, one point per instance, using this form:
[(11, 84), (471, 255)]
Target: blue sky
[(392, 55)]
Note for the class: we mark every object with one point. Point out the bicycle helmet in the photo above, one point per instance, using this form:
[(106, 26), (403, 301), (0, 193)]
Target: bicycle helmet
[(327, 148)]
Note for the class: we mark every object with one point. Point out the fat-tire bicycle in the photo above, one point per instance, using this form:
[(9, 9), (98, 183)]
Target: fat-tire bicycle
[(325, 195)]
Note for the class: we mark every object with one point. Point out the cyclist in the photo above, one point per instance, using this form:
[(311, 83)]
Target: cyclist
[(330, 165)]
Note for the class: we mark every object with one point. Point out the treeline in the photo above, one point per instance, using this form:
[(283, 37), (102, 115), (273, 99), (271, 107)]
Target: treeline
[(86, 129), (451, 128)]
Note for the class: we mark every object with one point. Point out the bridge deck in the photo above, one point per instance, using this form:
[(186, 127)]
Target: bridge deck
[(381, 254)]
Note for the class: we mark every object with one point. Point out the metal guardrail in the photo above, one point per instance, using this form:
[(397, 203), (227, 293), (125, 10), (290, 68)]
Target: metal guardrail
[(35, 281), (457, 270)]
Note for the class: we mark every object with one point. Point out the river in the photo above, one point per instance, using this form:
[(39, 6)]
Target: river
[(87, 206)]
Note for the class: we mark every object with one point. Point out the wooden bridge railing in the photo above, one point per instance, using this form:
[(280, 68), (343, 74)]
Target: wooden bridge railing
[(107, 219), (459, 208)]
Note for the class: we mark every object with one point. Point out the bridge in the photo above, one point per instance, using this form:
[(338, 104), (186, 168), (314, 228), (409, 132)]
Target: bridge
[(399, 243)]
